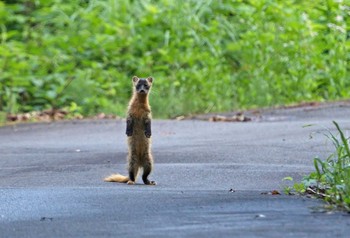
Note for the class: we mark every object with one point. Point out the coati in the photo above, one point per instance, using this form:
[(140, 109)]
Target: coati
[(138, 130)]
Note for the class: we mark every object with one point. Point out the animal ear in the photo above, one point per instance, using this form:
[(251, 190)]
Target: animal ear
[(135, 79), (150, 79)]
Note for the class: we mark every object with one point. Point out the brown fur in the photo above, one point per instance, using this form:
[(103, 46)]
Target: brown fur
[(139, 141)]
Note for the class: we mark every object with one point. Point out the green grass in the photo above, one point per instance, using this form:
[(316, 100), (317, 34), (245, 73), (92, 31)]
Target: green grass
[(205, 55), (331, 179)]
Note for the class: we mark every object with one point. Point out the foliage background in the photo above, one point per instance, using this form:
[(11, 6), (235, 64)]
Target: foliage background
[(205, 56)]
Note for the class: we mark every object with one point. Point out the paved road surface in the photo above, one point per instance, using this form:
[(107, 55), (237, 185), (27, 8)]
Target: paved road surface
[(210, 175)]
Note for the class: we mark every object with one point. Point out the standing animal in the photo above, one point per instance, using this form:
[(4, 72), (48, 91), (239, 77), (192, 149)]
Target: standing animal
[(138, 130)]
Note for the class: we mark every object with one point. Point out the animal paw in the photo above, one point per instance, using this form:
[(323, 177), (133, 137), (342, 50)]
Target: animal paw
[(148, 134), (151, 183), (130, 182)]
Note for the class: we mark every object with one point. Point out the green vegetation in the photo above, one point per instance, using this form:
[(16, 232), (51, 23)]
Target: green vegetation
[(205, 55), (331, 179)]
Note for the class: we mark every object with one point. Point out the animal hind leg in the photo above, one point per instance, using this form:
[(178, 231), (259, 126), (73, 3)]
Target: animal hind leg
[(133, 171), (147, 169)]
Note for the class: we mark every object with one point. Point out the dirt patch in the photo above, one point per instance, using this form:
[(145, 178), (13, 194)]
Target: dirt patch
[(339, 109)]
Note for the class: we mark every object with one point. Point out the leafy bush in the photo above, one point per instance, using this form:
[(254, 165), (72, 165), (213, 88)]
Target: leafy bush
[(205, 55)]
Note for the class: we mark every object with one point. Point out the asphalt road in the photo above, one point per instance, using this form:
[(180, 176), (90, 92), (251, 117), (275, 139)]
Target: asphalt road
[(212, 178)]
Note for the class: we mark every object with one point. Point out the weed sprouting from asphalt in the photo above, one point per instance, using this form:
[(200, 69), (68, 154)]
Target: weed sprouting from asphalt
[(331, 179)]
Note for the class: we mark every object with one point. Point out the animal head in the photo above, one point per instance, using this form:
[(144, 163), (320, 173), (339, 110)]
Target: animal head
[(142, 85)]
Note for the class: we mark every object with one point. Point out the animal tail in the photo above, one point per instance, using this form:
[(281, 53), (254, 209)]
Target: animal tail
[(117, 178)]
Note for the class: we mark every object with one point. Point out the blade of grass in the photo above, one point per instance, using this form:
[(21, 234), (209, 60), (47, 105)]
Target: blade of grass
[(344, 140)]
